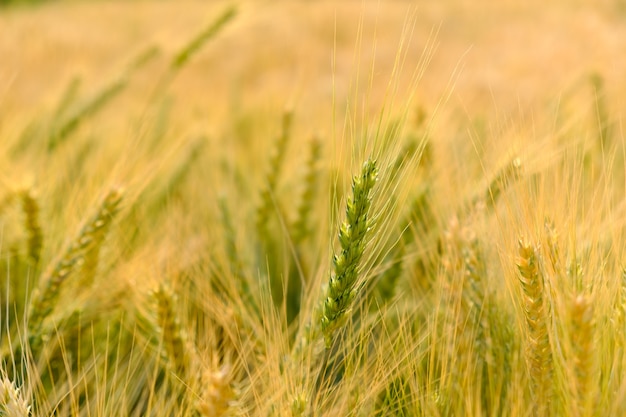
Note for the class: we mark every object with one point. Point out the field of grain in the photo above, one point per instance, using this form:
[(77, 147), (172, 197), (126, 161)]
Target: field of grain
[(313, 208)]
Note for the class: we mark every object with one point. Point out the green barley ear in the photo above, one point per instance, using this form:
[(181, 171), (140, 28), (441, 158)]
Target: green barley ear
[(96, 232), (88, 109), (503, 178), (276, 164), (196, 43), (179, 174), (70, 123), (81, 249), (302, 224), (341, 290), (30, 207), (12, 403), (602, 118), (172, 335), (68, 97), (536, 311), (582, 338)]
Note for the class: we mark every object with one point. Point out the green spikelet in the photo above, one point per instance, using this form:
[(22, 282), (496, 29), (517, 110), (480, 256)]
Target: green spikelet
[(341, 290)]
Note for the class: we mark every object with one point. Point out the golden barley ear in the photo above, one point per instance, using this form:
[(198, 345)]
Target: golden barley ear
[(82, 249), (536, 311)]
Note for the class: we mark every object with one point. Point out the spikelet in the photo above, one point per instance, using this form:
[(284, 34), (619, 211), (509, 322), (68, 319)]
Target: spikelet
[(30, 207), (81, 248), (172, 336), (536, 311), (341, 290), (12, 404)]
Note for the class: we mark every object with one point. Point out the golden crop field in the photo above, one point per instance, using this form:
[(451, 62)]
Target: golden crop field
[(312, 208)]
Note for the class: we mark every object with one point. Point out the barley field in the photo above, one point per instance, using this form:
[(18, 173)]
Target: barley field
[(312, 208)]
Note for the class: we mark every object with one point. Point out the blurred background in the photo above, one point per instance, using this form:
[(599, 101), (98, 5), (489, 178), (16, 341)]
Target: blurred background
[(481, 58)]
